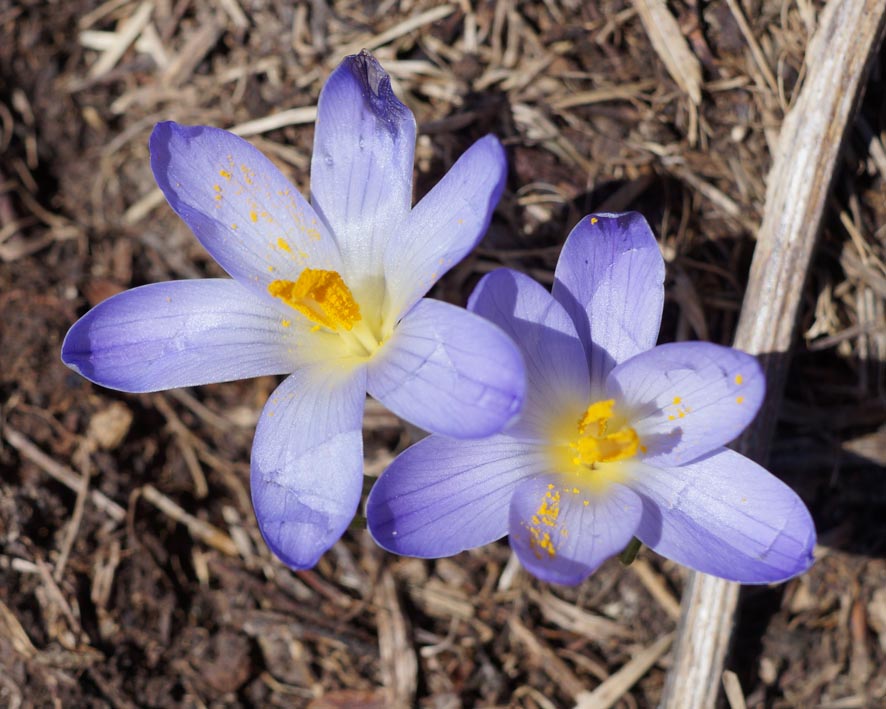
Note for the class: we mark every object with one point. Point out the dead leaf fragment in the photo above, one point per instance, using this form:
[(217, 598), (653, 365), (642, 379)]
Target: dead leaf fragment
[(669, 43)]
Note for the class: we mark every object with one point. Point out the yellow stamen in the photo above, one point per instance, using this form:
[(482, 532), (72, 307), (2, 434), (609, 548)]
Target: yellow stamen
[(321, 296), (596, 443)]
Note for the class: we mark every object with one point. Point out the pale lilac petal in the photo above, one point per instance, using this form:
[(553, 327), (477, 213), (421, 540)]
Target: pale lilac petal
[(178, 334), (685, 399), (442, 496), (307, 462), (610, 278), (561, 533), (246, 214), (556, 369), (727, 516), (446, 224), (449, 371), (361, 168)]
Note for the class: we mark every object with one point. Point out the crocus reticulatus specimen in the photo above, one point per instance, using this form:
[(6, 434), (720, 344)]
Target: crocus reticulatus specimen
[(618, 438), (328, 292)]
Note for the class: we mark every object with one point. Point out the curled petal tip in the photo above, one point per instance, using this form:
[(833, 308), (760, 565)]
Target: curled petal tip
[(377, 91)]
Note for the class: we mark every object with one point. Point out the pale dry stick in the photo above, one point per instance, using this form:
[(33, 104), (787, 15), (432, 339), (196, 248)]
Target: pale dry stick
[(732, 689), (201, 487), (235, 12), (608, 93), (756, 51), (199, 529), (129, 31), (76, 515), (656, 587), (63, 474), (837, 61), (577, 620), (371, 42), (614, 688), (399, 665), (542, 656)]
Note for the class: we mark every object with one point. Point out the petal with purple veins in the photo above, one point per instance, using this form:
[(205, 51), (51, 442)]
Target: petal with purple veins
[(307, 462), (446, 224), (442, 496), (610, 278), (246, 214), (561, 533), (177, 334), (685, 399), (725, 515), (449, 371), (361, 167), (556, 368)]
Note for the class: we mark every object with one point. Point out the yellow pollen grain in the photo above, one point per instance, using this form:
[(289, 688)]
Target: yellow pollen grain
[(644, 449), (671, 417), (677, 400), (545, 516), (586, 503), (253, 216), (739, 400), (284, 245), (225, 174), (738, 379), (321, 296), (286, 323), (594, 220), (217, 188)]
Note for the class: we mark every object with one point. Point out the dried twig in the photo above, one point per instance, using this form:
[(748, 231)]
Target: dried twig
[(63, 474), (837, 59), (615, 687)]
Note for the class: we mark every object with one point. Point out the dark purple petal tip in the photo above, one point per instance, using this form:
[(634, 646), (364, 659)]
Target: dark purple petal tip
[(377, 91)]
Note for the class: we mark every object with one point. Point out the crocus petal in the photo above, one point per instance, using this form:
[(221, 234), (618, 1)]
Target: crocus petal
[(556, 369), (178, 334), (610, 278), (446, 224), (449, 371), (727, 516), (561, 534), (442, 496), (361, 168), (685, 399), (246, 214), (307, 462)]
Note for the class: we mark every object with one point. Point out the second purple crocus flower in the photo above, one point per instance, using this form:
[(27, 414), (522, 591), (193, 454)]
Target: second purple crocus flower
[(618, 438), (329, 292)]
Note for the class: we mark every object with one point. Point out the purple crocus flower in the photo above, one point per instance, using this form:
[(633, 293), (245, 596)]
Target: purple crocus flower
[(330, 293), (618, 438)]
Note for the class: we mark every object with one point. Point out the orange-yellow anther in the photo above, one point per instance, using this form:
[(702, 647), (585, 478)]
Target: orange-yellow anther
[(321, 296), (596, 443)]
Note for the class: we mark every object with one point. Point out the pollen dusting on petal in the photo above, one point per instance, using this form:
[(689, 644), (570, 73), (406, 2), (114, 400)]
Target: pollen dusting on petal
[(321, 296), (284, 245), (739, 379), (541, 524)]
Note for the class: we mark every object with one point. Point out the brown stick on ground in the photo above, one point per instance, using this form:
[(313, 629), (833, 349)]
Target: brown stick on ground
[(837, 60)]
